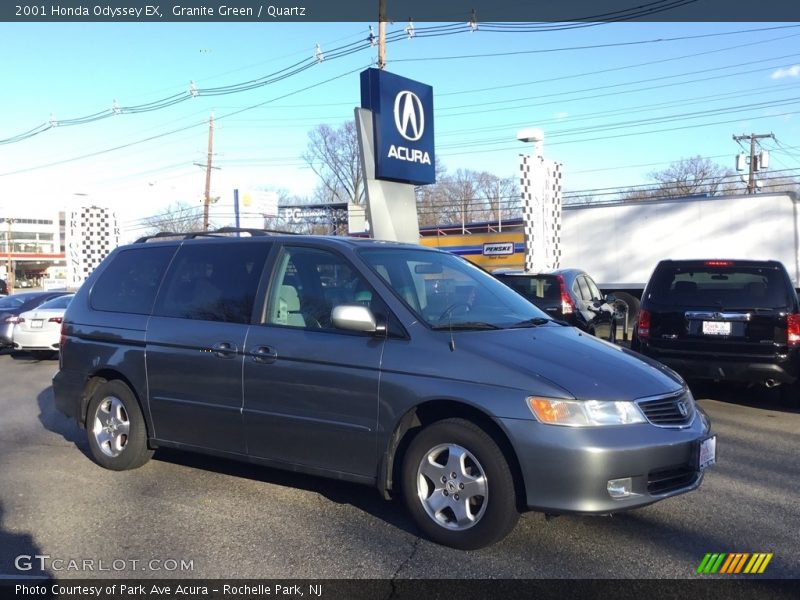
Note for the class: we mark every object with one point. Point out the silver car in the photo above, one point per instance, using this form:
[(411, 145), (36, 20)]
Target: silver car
[(15, 304), (403, 368), (38, 331)]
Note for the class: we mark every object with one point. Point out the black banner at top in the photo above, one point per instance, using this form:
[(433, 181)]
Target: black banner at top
[(473, 12)]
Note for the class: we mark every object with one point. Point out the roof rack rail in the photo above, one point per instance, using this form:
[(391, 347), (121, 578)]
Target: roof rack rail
[(213, 233)]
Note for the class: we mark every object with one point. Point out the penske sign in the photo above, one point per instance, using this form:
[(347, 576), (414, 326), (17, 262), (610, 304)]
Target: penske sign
[(402, 113)]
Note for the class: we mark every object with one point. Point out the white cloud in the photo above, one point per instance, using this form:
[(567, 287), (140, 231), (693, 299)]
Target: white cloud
[(560, 116), (793, 71)]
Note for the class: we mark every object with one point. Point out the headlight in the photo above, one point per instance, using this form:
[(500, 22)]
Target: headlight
[(584, 413)]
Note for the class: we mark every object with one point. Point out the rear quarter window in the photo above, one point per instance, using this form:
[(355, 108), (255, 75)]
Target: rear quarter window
[(129, 284)]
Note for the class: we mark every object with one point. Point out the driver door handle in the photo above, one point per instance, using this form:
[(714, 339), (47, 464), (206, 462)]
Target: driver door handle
[(264, 354)]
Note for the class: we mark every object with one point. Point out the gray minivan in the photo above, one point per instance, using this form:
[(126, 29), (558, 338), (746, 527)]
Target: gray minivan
[(393, 365)]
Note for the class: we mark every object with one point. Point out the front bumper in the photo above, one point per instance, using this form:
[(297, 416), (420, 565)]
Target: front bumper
[(567, 469)]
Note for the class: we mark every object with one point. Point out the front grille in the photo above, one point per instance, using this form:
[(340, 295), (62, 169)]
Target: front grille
[(670, 480), (675, 410)]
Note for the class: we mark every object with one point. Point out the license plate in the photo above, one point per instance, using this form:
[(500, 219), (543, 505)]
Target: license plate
[(716, 328), (36, 323), (708, 452)]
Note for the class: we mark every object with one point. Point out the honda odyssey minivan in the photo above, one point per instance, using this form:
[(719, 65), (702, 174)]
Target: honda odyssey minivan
[(400, 367)]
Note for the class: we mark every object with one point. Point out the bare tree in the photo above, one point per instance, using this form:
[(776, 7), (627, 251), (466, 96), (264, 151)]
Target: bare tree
[(774, 184), (466, 197), (178, 217), (687, 177), (333, 154), (696, 175)]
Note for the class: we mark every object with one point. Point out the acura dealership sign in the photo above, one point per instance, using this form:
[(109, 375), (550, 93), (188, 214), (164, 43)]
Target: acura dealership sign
[(402, 113)]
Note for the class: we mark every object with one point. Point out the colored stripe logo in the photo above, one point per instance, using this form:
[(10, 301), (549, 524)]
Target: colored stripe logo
[(736, 562)]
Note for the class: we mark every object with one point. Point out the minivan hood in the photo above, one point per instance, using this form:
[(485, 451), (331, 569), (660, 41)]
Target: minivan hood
[(584, 366)]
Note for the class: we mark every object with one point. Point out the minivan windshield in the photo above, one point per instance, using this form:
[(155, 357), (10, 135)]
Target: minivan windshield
[(446, 291)]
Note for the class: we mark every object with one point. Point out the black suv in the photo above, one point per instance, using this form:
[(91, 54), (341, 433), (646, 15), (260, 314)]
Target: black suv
[(735, 320)]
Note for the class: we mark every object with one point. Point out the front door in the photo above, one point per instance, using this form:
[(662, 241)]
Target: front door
[(310, 390)]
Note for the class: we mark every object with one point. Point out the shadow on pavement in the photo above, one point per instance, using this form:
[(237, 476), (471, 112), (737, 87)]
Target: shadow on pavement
[(18, 555), (54, 421), (362, 497), (755, 396)]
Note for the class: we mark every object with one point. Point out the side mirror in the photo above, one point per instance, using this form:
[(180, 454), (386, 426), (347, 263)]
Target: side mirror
[(355, 317), (610, 299)]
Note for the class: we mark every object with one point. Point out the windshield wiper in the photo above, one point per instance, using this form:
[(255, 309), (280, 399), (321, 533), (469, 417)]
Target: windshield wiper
[(465, 325), (535, 322)]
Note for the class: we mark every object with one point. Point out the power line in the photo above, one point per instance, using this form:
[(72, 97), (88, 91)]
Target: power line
[(167, 133)]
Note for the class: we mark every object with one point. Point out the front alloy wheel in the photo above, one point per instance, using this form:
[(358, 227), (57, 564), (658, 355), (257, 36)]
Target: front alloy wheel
[(452, 486), (458, 486)]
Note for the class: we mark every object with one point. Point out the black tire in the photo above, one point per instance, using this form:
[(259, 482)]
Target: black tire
[(116, 429), (488, 512), (44, 354)]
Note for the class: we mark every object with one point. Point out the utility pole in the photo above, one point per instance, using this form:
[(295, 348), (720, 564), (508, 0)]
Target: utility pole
[(207, 199), (9, 263), (754, 160), (381, 34)]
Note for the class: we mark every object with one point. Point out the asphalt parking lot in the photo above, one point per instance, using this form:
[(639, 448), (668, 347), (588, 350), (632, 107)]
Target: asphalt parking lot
[(211, 518)]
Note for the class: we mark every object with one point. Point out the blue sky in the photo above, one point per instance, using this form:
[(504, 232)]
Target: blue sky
[(614, 103)]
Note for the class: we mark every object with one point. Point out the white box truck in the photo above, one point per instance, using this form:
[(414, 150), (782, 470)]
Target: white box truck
[(619, 243)]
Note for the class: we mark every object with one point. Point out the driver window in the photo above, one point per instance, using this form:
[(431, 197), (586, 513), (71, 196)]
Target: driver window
[(594, 290), (308, 283), (585, 293)]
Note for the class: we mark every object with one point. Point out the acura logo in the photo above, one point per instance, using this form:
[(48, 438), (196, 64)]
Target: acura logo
[(409, 118)]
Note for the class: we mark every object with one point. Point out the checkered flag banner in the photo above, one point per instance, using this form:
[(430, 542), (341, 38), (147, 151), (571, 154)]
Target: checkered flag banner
[(91, 233), (540, 186)]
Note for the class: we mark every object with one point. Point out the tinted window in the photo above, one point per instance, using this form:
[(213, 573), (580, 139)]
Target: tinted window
[(129, 284), (11, 302), (585, 293), (60, 302), (730, 286), (540, 288), (213, 282), (308, 283), (593, 289)]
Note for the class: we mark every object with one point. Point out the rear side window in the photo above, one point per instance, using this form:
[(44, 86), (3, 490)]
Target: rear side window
[(731, 286), (213, 282), (129, 284)]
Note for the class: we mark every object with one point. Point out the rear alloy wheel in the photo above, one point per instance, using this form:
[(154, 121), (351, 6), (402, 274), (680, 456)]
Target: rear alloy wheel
[(116, 428), (458, 486)]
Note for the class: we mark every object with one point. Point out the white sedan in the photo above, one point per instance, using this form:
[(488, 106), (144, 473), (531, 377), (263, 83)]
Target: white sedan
[(38, 331)]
